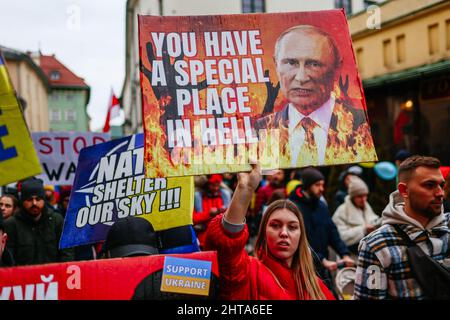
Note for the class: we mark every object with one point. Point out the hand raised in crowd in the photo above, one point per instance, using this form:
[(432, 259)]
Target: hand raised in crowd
[(329, 265), (347, 261), (215, 211), (250, 179), (247, 184)]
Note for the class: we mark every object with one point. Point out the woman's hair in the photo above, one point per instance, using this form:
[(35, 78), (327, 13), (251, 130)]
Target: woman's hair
[(302, 263)]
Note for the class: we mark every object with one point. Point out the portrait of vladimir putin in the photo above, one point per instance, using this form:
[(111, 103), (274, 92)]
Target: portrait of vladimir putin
[(315, 127)]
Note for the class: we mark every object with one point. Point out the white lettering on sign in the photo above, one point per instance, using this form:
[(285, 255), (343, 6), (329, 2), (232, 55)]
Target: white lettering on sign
[(47, 290), (192, 284), (191, 271)]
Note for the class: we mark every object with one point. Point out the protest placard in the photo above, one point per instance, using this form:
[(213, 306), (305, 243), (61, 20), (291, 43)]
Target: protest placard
[(282, 88), (18, 159), (58, 153), (125, 279), (110, 184), (183, 275)]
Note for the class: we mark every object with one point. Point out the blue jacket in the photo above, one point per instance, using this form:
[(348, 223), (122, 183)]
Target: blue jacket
[(320, 229)]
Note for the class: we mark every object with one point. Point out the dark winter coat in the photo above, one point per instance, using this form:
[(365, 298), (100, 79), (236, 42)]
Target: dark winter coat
[(7, 260), (36, 242), (320, 229)]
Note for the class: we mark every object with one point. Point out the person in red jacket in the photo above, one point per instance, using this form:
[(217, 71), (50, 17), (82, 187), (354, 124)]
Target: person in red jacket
[(283, 268), (212, 204), (276, 182)]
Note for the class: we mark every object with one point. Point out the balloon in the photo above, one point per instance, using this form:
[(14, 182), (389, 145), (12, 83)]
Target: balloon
[(367, 165), (385, 170)]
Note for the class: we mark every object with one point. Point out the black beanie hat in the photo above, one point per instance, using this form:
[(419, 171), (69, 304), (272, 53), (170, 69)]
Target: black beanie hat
[(402, 155), (32, 187), (310, 176), (131, 236)]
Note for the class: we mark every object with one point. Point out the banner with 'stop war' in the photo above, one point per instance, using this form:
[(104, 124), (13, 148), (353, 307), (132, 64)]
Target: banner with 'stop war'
[(110, 185), (58, 153), (279, 88)]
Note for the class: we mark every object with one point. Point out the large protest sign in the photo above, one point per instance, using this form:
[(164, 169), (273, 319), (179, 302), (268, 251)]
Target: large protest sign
[(280, 88), (18, 159), (110, 184), (58, 153), (87, 280)]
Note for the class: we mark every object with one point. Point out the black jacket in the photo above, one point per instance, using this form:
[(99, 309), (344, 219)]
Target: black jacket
[(320, 229), (7, 260), (36, 242)]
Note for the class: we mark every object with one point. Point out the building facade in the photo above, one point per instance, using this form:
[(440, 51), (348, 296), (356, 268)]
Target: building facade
[(69, 96), (405, 68), (131, 94), (32, 88)]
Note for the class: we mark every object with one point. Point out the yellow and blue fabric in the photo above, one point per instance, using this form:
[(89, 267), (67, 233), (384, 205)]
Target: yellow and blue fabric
[(189, 276), (18, 158)]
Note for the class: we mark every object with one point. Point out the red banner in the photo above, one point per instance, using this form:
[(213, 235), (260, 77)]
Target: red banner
[(109, 279)]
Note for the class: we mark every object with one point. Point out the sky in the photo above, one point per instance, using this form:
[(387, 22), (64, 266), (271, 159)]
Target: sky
[(88, 36)]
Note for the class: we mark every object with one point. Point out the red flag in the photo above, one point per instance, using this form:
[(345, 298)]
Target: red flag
[(113, 112)]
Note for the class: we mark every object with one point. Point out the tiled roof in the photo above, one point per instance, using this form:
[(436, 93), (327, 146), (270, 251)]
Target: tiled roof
[(49, 64)]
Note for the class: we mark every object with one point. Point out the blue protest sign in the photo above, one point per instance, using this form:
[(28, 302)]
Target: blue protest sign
[(110, 184)]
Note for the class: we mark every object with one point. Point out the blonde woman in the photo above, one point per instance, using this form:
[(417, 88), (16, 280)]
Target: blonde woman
[(283, 268)]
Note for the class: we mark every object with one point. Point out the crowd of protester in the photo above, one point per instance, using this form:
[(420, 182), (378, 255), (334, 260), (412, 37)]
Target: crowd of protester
[(277, 236)]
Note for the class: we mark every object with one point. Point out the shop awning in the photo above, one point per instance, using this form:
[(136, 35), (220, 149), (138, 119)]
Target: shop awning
[(408, 75)]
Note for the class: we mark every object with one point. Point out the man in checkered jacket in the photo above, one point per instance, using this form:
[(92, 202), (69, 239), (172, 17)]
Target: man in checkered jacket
[(384, 271)]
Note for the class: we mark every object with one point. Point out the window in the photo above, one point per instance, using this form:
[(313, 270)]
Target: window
[(401, 49), (346, 4), (433, 38), (249, 6), (55, 115), (359, 59), (161, 8), (55, 75), (387, 53), (447, 27), (71, 115)]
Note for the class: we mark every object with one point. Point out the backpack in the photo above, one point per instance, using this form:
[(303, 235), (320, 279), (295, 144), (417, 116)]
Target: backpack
[(432, 276)]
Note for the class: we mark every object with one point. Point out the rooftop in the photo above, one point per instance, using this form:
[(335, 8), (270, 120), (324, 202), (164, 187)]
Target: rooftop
[(59, 75)]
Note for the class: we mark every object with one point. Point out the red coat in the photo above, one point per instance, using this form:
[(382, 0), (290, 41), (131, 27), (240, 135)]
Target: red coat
[(247, 278), (203, 217)]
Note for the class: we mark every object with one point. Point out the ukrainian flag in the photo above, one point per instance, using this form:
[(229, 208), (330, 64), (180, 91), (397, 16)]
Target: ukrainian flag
[(5, 85), (18, 158)]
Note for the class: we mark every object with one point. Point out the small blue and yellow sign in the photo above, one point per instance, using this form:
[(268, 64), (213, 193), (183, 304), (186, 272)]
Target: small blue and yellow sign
[(186, 276)]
